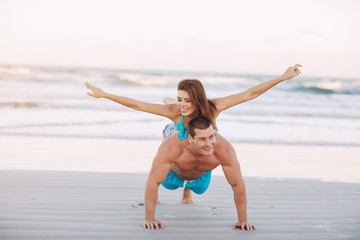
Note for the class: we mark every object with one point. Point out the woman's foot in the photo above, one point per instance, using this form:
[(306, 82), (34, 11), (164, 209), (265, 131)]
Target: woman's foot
[(187, 196)]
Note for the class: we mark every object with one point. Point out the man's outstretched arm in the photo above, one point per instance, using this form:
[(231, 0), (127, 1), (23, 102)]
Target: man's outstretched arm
[(159, 170), (233, 175)]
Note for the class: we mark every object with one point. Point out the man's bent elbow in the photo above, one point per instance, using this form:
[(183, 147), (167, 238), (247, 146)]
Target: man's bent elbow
[(239, 188), (150, 183)]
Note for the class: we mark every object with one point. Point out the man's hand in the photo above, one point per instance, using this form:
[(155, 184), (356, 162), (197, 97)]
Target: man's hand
[(244, 225), (95, 92), (152, 224)]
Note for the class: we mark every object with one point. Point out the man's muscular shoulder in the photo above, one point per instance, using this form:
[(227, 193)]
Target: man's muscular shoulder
[(172, 146), (223, 148)]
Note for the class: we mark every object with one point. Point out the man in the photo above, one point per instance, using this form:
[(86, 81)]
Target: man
[(189, 164)]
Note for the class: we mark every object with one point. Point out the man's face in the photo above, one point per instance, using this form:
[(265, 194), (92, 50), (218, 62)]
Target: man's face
[(204, 141), (185, 103)]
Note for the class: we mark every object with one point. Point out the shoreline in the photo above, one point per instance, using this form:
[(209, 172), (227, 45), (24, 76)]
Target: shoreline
[(325, 163), (160, 139), (155, 140)]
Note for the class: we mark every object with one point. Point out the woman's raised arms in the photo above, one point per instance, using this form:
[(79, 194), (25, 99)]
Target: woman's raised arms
[(170, 111), (232, 100)]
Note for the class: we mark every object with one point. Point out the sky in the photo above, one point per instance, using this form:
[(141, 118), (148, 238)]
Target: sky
[(248, 36)]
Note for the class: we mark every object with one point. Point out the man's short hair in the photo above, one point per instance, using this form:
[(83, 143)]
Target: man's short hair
[(200, 122)]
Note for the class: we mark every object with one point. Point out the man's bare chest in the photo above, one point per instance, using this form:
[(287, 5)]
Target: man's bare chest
[(188, 162)]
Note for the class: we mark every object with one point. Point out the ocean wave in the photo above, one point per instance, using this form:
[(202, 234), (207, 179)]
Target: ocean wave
[(50, 105), (230, 80), (165, 79), (147, 80), (327, 86), (218, 82), (14, 70), (19, 105), (314, 89)]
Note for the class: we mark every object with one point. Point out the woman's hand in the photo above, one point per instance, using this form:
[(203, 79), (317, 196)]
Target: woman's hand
[(291, 72), (95, 92)]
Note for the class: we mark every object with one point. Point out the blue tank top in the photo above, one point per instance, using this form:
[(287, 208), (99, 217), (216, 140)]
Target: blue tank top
[(183, 131)]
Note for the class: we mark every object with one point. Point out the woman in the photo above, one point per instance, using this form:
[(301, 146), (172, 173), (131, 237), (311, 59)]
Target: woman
[(192, 101)]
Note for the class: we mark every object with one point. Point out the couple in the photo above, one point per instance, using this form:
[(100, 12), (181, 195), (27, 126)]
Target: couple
[(186, 159)]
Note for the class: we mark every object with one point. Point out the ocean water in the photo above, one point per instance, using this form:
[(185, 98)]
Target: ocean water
[(52, 101)]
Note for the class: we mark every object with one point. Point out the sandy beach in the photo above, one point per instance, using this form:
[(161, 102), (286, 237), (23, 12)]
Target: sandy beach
[(88, 88), (73, 188), (82, 205)]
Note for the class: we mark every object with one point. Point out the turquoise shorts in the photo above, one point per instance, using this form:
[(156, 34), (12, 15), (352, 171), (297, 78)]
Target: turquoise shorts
[(198, 186)]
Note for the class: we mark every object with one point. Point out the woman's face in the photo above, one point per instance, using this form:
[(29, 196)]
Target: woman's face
[(184, 102)]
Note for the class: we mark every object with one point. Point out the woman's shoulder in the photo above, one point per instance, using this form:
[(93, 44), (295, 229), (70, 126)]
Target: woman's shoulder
[(175, 113), (214, 109)]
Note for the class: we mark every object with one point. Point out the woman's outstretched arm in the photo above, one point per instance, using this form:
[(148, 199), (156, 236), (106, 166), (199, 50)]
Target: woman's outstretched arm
[(232, 100), (169, 111)]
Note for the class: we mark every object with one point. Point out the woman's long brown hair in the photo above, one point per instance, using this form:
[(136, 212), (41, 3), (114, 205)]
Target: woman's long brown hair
[(203, 106)]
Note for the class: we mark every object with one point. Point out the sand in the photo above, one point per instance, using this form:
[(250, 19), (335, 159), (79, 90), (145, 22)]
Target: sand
[(74, 188), (84, 205)]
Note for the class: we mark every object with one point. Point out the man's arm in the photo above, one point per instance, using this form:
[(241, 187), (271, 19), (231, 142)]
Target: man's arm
[(232, 100), (160, 167), (231, 168)]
